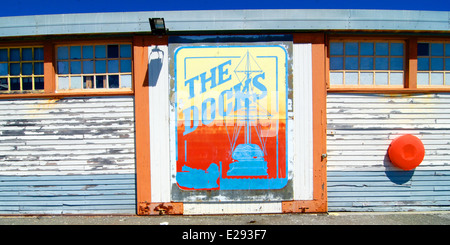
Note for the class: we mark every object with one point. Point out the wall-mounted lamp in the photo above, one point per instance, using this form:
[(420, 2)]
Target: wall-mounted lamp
[(158, 26)]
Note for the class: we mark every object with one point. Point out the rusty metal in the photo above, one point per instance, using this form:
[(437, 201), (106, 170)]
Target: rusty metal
[(147, 208)]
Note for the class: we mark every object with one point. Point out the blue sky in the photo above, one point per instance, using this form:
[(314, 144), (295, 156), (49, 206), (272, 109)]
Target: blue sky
[(33, 7)]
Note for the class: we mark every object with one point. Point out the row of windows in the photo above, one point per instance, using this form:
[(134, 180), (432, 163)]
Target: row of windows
[(94, 66), (366, 63), (78, 67), (21, 69), (383, 63), (433, 63), (109, 66)]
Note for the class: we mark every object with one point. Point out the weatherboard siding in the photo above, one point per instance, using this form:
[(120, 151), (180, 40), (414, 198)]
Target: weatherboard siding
[(360, 176), (70, 155)]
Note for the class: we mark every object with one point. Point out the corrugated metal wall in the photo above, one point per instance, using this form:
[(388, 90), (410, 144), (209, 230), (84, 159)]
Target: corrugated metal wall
[(72, 155), (360, 174)]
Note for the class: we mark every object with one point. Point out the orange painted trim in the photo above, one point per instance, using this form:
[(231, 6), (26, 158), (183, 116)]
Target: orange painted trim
[(142, 123), (374, 90), (411, 64), (142, 127), (319, 202), (49, 68), (64, 95)]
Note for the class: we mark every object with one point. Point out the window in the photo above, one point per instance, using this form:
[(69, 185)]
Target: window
[(366, 63), (105, 66), (433, 63), (21, 69)]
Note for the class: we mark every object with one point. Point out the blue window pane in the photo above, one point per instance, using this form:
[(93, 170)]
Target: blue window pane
[(397, 49), (63, 82), (366, 48), (113, 66), (100, 81), (125, 66), (3, 55), (113, 51), (447, 64), (423, 64), (15, 83), (337, 48), (447, 49), (38, 68), (4, 84), (437, 49), (63, 53), (14, 69), (75, 52), (27, 83), (381, 64), (38, 53), (27, 54), (125, 81), (113, 81), (27, 68), (437, 64), (76, 82), (14, 54), (423, 49), (382, 49), (88, 82), (88, 52), (63, 67), (337, 63), (100, 51), (88, 67), (351, 48), (100, 66), (366, 63), (3, 69), (396, 63), (38, 83), (351, 63), (125, 51), (75, 67)]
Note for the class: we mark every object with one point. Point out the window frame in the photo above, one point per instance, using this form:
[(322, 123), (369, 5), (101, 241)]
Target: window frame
[(367, 39), (93, 74), (430, 71), (410, 67), (21, 76), (50, 86)]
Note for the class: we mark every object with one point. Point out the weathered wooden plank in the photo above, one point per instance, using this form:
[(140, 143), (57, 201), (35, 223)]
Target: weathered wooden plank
[(360, 130), (64, 194), (49, 135), (72, 155)]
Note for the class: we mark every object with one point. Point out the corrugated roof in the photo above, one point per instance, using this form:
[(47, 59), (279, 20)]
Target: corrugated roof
[(227, 20)]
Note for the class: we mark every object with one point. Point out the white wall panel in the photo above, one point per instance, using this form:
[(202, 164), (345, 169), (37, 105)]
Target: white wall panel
[(231, 208), (303, 139), (360, 129), (159, 123), (70, 155)]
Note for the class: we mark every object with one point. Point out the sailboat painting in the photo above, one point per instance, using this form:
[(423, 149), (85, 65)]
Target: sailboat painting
[(231, 117)]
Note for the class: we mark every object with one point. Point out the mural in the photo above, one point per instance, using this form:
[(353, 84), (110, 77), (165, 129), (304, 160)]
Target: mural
[(230, 117)]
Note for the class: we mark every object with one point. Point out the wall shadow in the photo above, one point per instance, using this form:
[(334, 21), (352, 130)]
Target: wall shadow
[(396, 175)]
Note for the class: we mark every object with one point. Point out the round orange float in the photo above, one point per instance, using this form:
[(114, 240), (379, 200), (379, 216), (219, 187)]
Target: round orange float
[(406, 152)]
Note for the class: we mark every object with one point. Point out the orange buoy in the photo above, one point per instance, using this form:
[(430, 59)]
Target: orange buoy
[(406, 152)]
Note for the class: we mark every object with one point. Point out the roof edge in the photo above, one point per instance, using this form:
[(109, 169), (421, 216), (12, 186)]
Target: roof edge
[(227, 20)]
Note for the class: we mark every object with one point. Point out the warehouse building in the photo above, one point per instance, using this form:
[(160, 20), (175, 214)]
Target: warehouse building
[(295, 111)]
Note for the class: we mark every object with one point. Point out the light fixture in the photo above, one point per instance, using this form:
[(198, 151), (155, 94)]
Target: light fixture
[(158, 26)]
